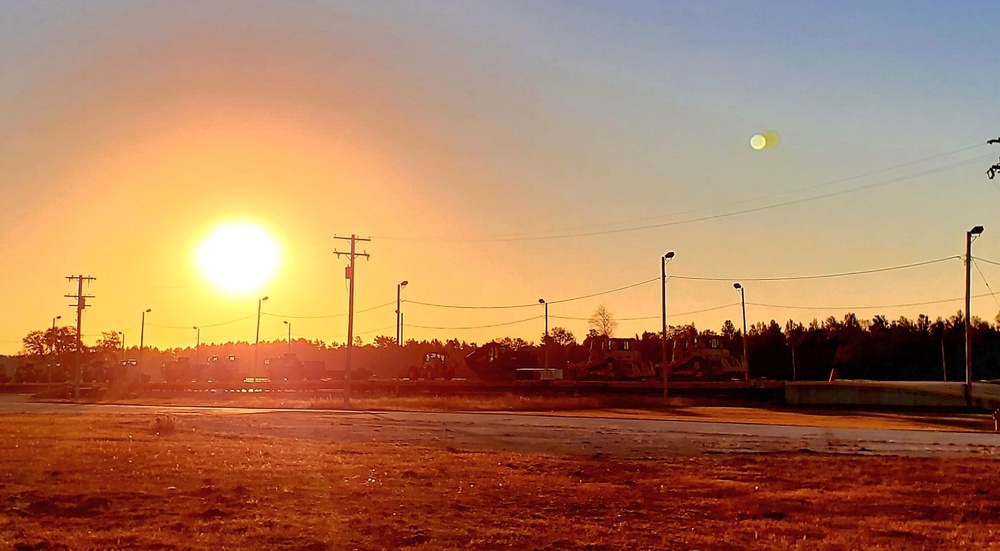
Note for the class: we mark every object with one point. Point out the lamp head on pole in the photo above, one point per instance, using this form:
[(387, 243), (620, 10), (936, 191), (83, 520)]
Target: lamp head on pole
[(286, 322), (263, 299), (541, 301), (976, 230), (149, 309), (737, 286), (403, 283), (58, 317), (668, 256)]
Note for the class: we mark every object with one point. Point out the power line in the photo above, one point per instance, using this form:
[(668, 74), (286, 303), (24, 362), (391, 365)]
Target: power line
[(476, 326), (986, 261), (702, 218), (560, 301), (992, 294), (752, 199), (925, 303), (692, 312), (692, 278), (534, 304), (202, 326), (329, 315), (377, 330), (820, 276)]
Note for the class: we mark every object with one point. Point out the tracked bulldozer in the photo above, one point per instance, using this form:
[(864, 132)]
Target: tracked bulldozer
[(612, 359), (704, 359)]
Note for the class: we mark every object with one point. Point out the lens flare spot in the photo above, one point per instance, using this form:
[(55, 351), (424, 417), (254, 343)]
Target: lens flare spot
[(771, 138), (758, 142)]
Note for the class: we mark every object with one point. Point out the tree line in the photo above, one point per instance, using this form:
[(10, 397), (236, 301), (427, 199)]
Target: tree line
[(850, 347)]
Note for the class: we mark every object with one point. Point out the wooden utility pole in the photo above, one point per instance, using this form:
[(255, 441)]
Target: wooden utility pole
[(81, 304), (349, 274)]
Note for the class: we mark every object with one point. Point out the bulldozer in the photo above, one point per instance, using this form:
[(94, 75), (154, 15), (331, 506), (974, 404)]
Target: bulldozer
[(435, 366), (612, 359), (704, 359), (497, 362)]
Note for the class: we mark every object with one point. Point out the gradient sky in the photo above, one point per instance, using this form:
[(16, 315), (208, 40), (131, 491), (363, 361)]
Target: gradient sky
[(449, 132)]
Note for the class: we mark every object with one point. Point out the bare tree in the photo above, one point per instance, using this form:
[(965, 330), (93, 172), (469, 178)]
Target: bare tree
[(603, 322)]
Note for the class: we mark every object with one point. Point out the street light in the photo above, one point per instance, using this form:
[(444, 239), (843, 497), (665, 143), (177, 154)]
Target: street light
[(546, 338), (142, 335), (197, 344), (256, 339), (399, 334), (663, 336), (122, 339), (743, 302), (970, 236), (289, 336)]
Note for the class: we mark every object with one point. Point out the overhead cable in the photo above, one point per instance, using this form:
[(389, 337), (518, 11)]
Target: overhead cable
[(328, 315), (409, 325), (993, 262), (657, 316), (819, 276), (693, 278), (251, 316), (701, 218), (925, 303), (533, 304), (992, 294), (752, 199)]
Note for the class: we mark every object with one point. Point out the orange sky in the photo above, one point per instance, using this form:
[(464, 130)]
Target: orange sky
[(128, 133)]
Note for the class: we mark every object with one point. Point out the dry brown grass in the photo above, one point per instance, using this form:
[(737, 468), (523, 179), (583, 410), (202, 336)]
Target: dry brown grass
[(124, 482)]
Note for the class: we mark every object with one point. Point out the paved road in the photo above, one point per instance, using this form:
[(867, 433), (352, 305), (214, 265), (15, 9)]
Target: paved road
[(624, 438)]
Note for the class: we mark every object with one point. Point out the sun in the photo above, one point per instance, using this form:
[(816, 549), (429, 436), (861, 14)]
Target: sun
[(238, 257)]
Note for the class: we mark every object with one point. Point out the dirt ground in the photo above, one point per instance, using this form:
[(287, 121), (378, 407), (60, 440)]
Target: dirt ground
[(680, 409), (158, 481)]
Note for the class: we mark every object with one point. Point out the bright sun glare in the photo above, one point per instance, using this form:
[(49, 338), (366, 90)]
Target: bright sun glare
[(238, 257)]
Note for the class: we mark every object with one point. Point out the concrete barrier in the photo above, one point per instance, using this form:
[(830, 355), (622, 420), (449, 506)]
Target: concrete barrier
[(908, 394)]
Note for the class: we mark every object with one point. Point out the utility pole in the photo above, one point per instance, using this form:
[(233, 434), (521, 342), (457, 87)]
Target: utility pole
[(349, 274), (81, 304)]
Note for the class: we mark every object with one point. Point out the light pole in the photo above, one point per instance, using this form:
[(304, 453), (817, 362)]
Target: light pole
[(743, 302), (142, 335), (289, 324), (663, 336), (197, 344), (399, 332), (256, 339), (546, 337), (53, 349), (970, 236), (122, 339)]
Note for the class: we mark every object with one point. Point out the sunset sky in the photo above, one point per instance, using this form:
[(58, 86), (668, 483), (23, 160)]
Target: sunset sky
[(495, 153)]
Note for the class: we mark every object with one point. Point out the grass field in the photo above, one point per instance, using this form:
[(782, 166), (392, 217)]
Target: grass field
[(150, 482)]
